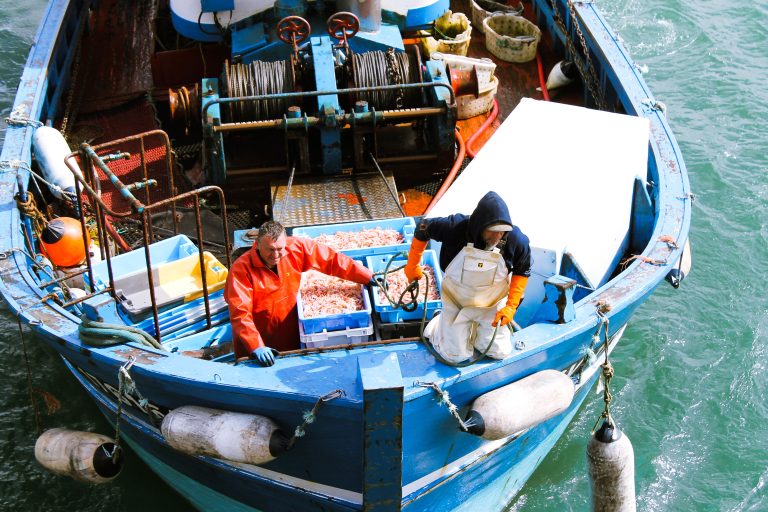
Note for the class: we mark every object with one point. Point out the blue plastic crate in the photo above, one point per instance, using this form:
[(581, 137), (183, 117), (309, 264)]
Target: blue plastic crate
[(405, 226), (388, 313), (338, 322)]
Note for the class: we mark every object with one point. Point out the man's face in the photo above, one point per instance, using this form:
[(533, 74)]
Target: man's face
[(491, 238), (271, 250)]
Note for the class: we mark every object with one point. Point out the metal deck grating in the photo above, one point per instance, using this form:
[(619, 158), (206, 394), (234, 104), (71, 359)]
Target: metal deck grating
[(333, 200)]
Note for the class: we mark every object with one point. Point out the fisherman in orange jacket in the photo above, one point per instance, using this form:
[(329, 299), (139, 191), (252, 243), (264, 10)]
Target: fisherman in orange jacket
[(262, 286)]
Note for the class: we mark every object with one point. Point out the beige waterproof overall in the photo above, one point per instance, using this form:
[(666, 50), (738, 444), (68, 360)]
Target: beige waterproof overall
[(475, 287)]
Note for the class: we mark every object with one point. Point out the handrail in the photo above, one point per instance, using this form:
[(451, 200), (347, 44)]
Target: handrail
[(142, 210)]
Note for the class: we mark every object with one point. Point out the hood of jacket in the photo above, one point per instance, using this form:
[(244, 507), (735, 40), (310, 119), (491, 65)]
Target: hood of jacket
[(491, 209)]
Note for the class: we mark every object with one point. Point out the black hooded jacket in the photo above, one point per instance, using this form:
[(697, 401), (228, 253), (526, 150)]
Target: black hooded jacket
[(457, 230)]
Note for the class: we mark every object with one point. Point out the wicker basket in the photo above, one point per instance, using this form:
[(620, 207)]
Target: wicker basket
[(511, 38), (449, 24), (469, 106), (479, 14), (485, 67)]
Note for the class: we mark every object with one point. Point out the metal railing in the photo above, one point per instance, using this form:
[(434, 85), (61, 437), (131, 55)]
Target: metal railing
[(139, 210)]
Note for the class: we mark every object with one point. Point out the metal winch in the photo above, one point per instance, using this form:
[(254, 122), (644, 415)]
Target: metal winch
[(327, 102)]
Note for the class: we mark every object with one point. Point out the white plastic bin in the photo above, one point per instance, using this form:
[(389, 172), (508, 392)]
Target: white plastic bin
[(329, 338)]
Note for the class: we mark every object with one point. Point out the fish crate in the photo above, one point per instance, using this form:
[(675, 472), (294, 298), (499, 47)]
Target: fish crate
[(388, 313), (336, 322), (405, 226), (345, 336)]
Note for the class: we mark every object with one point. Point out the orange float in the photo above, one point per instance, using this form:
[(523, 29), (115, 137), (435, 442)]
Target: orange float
[(62, 241)]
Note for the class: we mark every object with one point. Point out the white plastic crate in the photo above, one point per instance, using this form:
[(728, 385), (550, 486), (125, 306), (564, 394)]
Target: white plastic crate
[(330, 338)]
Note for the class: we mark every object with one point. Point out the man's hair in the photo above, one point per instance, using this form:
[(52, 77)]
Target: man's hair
[(272, 229)]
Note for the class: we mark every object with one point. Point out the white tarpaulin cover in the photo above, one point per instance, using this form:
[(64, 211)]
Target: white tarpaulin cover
[(567, 174)]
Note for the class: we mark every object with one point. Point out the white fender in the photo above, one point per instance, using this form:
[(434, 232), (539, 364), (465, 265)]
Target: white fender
[(84, 456), (562, 74), (520, 405), (611, 461), (50, 150), (226, 435)]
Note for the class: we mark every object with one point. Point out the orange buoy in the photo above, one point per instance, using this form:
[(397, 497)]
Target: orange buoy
[(62, 241)]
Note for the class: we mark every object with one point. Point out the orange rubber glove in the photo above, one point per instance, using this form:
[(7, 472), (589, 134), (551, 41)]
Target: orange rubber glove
[(516, 289), (412, 269)]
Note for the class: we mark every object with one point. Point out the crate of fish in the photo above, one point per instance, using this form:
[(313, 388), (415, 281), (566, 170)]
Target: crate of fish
[(327, 303), (346, 336), (360, 239), (397, 282)]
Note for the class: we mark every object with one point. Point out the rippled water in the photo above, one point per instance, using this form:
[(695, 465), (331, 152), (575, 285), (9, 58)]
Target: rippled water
[(691, 385)]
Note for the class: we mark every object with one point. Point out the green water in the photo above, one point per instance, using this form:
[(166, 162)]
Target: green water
[(691, 387)]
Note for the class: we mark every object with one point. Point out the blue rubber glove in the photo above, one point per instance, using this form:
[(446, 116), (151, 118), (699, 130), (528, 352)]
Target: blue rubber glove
[(265, 356)]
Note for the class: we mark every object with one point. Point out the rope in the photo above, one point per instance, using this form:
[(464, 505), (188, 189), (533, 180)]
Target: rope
[(32, 400), (644, 259), (19, 117), (445, 399), (607, 368), (125, 385), (310, 416), (100, 334)]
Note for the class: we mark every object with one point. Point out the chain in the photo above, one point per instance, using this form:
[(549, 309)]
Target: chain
[(593, 82), (393, 70), (586, 70)]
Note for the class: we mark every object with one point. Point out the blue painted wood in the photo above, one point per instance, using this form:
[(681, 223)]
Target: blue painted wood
[(382, 384), (328, 105), (557, 306), (643, 217)]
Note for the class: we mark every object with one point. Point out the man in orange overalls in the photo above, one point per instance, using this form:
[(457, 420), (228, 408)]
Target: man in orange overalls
[(262, 286)]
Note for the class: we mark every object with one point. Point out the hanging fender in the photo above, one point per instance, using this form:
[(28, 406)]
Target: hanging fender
[(226, 435), (50, 150), (84, 456), (682, 268), (611, 462), (520, 405)]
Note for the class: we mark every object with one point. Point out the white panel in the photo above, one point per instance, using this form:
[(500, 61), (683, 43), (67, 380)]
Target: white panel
[(567, 174)]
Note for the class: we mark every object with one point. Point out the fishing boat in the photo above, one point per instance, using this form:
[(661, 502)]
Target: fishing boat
[(147, 140)]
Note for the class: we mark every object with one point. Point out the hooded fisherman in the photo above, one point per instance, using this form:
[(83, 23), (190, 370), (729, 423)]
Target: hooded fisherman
[(479, 253)]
